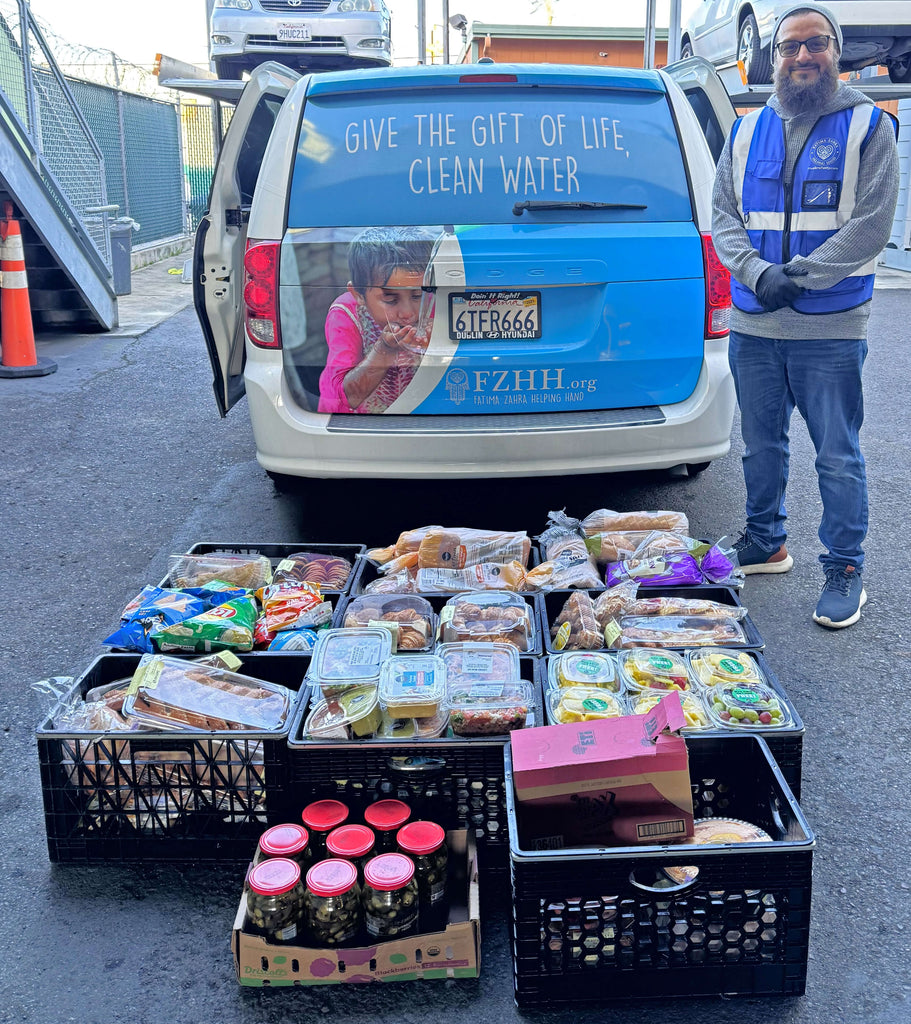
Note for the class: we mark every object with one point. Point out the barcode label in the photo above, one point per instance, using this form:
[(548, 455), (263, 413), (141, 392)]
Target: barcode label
[(660, 828)]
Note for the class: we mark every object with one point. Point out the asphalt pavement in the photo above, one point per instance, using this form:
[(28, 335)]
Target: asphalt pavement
[(119, 459)]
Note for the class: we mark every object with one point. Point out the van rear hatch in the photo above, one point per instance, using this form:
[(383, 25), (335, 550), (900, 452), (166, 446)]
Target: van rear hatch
[(516, 245)]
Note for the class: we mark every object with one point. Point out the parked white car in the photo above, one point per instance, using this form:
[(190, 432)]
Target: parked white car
[(726, 31), (307, 35)]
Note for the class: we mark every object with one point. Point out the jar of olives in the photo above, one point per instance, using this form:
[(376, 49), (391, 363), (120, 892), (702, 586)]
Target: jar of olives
[(333, 902), (390, 897), (275, 900), (291, 841), (425, 843), (386, 817), (321, 817), (352, 842)]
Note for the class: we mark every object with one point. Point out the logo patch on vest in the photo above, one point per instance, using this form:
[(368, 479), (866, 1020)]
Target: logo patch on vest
[(825, 152), (820, 195)]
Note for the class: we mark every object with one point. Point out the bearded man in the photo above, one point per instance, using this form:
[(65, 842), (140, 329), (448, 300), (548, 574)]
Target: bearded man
[(804, 199)]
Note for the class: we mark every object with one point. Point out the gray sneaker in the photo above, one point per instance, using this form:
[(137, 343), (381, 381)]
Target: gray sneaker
[(842, 597)]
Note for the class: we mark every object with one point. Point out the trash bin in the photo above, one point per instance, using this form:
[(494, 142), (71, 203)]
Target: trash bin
[(121, 247)]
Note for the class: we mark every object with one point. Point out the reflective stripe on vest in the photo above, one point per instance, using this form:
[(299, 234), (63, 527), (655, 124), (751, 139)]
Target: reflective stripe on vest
[(822, 197)]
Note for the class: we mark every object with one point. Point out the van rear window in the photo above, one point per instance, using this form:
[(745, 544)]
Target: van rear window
[(469, 155)]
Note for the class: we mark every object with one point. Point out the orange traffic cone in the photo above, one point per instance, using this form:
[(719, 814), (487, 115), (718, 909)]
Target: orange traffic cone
[(17, 339)]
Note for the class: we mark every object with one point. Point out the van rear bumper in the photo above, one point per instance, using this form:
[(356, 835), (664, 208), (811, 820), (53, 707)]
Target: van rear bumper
[(296, 443)]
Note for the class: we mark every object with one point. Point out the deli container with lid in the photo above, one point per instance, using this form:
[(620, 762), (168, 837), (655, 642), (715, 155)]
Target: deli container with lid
[(469, 661), (649, 669), (718, 665), (746, 706), (386, 817), (275, 900), (395, 728), (349, 657), (584, 668), (409, 618), (490, 615), (678, 631), (413, 685), (333, 902), (489, 709), (354, 713), (582, 704), (289, 840), (694, 711), (708, 831), (321, 817)]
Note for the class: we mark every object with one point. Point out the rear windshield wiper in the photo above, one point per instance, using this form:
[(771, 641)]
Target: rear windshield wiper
[(519, 208)]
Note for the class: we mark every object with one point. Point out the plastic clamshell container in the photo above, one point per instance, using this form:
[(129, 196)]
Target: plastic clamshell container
[(470, 662), (678, 631), (743, 706), (584, 668), (653, 669), (484, 709), (717, 665), (409, 618), (583, 704), (354, 712), (174, 693), (490, 615), (694, 710), (349, 657), (413, 685), (392, 728)]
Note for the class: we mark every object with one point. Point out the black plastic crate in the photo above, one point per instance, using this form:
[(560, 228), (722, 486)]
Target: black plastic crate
[(369, 572), (175, 796), (591, 925), (276, 552), (455, 780), (786, 744), (551, 604)]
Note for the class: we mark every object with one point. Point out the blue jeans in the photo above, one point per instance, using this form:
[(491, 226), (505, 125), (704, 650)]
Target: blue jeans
[(822, 379)]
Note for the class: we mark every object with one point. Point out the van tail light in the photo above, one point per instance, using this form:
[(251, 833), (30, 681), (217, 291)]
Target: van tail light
[(261, 293), (717, 291)]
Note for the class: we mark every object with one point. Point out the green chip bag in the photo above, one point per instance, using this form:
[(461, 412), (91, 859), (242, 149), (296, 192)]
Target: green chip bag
[(228, 626)]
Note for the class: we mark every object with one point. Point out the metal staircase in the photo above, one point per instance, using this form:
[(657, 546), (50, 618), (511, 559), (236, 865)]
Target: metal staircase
[(53, 171)]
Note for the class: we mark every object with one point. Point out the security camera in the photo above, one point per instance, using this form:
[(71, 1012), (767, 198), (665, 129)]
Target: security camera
[(459, 21)]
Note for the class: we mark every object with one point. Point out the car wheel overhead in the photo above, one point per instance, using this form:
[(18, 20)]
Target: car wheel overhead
[(755, 59)]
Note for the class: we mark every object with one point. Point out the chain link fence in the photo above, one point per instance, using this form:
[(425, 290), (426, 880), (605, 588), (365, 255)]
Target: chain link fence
[(105, 133)]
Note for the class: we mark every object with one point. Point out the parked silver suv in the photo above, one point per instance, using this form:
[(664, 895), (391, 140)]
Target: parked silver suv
[(307, 35)]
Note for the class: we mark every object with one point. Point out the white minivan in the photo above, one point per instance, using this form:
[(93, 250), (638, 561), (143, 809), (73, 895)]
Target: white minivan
[(470, 270)]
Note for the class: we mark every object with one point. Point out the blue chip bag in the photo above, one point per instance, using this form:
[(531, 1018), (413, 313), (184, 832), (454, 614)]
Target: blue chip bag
[(152, 609), (294, 640)]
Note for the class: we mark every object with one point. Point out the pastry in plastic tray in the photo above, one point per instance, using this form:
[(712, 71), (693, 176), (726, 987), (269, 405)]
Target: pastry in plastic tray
[(653, 670), (678, 631), (471, 662), (576, 627), (349, 657), (413, 685), (409, 619), (693, 709), (578, 669), (247, 571), (583, 704), (328, 571), (488, 615), (718, 666), (486, 709), (179, 694), (606, 521), (671, 605), (746, 706), (715, 830)]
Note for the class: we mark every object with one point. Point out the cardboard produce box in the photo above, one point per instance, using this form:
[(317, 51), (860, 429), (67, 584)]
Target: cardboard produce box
[(454, 952), (609, 782)]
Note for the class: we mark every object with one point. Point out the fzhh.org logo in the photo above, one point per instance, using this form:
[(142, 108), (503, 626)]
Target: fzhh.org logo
[(457, 384), (825, 152)]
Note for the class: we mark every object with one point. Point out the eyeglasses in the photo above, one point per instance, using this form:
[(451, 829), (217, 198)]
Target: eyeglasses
[(791, 47)]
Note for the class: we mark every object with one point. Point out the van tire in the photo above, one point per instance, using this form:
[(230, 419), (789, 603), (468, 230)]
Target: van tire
[(900, 70)]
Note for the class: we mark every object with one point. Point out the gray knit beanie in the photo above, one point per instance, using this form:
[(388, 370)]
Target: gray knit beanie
[(817, 9)]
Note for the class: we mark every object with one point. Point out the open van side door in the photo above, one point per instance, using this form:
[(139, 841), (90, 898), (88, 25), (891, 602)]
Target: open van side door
[(218, 252), (706, 94)]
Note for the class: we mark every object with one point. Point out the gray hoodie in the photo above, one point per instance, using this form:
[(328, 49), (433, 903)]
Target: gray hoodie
[(853, 245)]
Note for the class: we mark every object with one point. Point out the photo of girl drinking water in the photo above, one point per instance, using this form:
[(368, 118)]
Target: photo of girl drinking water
[(377, 331)]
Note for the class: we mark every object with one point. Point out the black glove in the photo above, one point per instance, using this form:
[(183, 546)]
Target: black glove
[(776, 288)]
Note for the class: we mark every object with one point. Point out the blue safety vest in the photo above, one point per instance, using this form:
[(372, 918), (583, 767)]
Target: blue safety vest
[(786, 222)]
